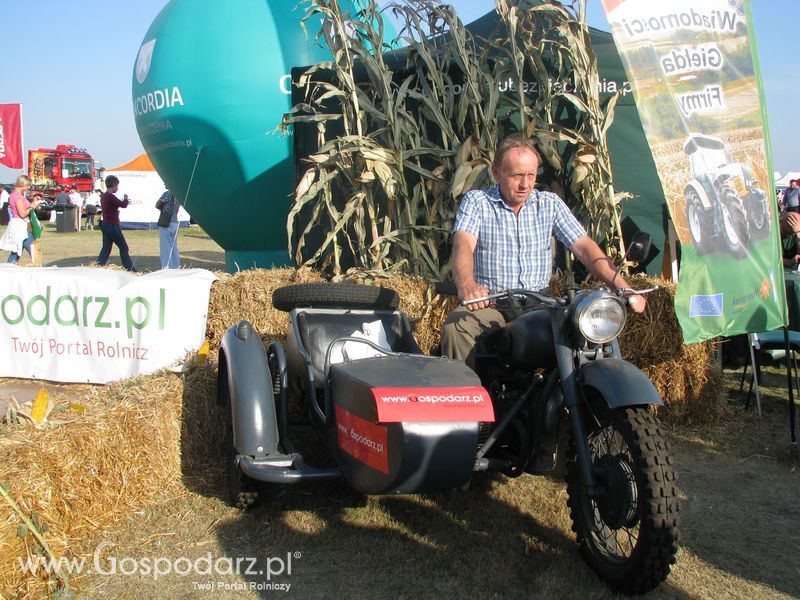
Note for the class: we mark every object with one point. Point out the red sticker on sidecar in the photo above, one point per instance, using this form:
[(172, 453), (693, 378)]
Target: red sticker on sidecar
[(433, 405), (364, 441)]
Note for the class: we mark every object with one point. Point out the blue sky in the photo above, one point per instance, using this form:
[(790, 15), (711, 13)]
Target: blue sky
[(69, 63)]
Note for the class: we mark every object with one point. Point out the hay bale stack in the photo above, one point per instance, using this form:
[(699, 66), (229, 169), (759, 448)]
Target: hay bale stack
[(120, 454), (248, 295), (687, 376)]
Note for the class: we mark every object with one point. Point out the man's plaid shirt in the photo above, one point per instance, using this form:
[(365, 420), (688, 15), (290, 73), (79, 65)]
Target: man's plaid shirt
[(513, 250)]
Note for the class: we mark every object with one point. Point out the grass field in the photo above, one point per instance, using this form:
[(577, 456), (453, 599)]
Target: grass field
[(81, 248)]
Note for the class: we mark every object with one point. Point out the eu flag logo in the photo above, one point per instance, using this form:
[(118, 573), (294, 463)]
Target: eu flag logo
[(709, 305)]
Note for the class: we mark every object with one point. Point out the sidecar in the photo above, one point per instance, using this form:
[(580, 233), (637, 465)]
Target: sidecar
[(390, 419)]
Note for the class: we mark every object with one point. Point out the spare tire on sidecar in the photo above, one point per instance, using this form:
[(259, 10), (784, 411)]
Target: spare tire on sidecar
[(392, 419)]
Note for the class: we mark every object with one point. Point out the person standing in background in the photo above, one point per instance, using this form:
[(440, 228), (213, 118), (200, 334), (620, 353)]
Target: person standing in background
[(61, 201), (90, 208), (76, 199), (168, 247), (790, 239), (4, 197), (18, 235), (62, 197), (112, 232), (791, 197)]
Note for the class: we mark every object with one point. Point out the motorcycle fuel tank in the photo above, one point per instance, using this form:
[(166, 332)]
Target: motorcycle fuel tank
[(407, 424), (527, 341)]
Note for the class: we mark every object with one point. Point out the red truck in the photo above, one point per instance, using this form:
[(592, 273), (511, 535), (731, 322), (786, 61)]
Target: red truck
[(64, 166)]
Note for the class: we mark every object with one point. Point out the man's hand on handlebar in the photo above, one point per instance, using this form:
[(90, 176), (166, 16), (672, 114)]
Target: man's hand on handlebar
[(635, 298), (473, 290), (638, 303)]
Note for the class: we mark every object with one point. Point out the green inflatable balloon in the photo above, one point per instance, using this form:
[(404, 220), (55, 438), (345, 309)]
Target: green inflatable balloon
[(210, 83)]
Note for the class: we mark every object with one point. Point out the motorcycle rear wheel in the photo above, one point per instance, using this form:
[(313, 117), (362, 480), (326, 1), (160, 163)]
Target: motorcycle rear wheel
[(628, 535)]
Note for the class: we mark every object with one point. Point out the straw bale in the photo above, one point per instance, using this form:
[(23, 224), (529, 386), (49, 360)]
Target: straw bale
[(248, 295), (687, 376), (92, 469)]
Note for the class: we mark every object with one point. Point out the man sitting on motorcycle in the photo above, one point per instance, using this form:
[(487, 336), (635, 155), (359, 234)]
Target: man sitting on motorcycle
[(501, 240)]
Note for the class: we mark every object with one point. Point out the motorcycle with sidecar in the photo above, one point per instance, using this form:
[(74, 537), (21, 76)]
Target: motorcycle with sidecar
[(549, 388)]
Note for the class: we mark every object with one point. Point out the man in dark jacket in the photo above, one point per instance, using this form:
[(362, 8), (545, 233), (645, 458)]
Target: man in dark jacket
[(62, 197), (112, 232)]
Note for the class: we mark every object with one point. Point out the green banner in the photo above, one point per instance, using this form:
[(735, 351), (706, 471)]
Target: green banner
[(694, 74)]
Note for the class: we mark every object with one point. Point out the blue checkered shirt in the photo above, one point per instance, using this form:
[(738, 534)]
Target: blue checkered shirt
[(513, 249)]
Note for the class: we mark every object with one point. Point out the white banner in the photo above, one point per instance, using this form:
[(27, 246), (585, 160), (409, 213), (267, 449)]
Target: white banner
[(143, 189), (89, 325)]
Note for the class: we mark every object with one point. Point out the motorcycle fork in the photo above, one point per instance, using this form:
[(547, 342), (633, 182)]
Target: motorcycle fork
[(572, 400)]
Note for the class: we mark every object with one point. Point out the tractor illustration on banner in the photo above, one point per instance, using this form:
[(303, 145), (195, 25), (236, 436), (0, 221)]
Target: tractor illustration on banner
[(726, 210)]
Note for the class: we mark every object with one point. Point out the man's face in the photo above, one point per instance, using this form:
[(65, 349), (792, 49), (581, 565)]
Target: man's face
[(516, 176), (793, 185)]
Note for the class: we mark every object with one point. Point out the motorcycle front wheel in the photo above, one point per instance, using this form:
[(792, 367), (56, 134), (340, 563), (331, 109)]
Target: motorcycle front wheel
[(628, 533)]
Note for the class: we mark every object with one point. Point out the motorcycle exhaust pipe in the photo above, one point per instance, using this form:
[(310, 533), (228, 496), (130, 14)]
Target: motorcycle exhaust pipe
[(492, 464)]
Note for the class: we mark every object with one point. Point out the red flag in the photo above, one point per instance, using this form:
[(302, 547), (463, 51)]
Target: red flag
[(11, 135)]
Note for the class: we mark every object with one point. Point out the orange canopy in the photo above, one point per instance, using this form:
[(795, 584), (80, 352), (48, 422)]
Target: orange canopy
[(140, 163)]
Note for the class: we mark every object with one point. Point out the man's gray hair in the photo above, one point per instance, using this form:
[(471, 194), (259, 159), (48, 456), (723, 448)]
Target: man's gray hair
[(512, 142)]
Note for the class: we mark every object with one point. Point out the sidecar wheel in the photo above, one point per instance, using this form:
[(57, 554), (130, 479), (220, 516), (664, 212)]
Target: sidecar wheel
[(629, 533), (334, 295), (243, 491)]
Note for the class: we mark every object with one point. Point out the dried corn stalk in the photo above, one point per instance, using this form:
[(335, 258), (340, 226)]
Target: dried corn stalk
[(399, 146)]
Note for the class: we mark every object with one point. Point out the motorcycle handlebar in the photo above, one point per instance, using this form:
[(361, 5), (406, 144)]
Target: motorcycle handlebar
[(625, 292), (543, 298), (449, 289)]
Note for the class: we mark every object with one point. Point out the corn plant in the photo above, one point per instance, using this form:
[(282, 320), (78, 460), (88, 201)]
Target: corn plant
[(403, 134), (567, 115)]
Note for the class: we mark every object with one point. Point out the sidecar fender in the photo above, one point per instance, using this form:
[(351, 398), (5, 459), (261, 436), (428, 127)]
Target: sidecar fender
[(252, 402), (619, 382)]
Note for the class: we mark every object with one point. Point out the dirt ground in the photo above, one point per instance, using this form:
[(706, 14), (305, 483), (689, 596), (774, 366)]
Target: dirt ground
[(501, 539)]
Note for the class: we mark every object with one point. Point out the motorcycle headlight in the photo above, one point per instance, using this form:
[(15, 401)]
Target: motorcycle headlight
[(599, 316)]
